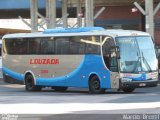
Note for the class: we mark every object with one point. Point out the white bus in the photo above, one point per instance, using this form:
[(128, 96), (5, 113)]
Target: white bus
[(90, 57)]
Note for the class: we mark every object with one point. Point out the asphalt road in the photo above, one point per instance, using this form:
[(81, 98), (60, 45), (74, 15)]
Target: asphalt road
[(77, 102)]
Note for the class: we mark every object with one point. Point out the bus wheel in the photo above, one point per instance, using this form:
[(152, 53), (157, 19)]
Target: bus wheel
[(6, 79), (94, 86), (128, 89), (29, 84), (59, 89)]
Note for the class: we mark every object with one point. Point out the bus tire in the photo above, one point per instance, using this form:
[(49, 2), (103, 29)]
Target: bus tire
[(29, 84), (60, 89), (128, 89), (94, 85), (6, 79)]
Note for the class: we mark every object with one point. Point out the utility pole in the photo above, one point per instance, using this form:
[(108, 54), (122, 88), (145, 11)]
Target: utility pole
[(79, 13), (89, 9), (64, 13), (51, 13), (149, 13), (149, 17), (33, 13)]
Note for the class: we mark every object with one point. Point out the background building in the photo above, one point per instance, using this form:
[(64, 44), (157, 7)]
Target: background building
[(118, 14)]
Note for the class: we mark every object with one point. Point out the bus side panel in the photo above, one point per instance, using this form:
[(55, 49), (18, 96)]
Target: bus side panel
[(89, 64), (69, 70)]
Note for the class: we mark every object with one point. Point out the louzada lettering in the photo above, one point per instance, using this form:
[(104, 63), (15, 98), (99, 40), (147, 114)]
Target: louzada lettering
[(44, 61)]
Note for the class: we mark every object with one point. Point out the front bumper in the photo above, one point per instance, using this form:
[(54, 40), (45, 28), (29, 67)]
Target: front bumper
[(139, 84)]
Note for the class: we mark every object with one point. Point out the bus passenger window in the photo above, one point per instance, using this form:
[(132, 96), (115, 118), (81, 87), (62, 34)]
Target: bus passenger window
[(62, 45), (9, 46), (92, 46), (47, 47), (34, 46), (22, 45), (16, 46), (76, 47), (92, 49)]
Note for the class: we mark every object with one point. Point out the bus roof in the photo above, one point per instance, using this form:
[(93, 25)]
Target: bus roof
[(111, 33)]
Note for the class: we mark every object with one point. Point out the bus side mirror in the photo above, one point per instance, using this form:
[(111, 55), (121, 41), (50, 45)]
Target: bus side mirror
[(116, 48), (157, 52), (118, 52), (118, 55)]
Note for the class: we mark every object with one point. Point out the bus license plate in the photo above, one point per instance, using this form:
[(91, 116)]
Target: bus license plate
[(142, 84)]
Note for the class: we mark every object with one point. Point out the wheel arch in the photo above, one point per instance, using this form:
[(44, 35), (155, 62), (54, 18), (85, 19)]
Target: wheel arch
[(92, 75), (29, 72)]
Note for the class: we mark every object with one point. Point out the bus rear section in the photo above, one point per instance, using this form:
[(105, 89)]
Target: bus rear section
[(56, 62)]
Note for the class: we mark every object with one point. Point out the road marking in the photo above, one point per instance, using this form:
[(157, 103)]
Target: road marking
[(71, 107)]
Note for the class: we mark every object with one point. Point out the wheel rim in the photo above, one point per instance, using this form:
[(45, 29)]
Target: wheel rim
[(29, 84), (96, 84)]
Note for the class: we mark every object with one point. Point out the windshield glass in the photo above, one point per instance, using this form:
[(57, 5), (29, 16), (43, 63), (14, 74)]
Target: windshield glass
[(148, 53), (137, 54)]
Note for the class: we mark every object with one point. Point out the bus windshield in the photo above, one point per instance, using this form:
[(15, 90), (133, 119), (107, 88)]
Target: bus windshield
[(137, 54)]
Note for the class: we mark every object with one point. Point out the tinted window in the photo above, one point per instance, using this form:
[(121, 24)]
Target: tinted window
[(16, 46), (62, 45), (34, 46), (76, 47), (92, 44), (59, 45), (9, 46), (47, 46), (92, 49)]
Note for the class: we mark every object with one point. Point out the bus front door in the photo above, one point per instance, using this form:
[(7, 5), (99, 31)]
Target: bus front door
[(113, 66)]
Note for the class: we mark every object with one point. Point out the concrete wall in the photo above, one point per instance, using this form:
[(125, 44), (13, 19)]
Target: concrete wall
[(121, 16), (157, 28)]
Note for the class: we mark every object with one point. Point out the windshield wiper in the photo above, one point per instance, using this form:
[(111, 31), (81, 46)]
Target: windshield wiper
[(137, 63), (146, 63)]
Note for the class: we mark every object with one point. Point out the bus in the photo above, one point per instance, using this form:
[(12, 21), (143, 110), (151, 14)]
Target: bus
[(89, 57)]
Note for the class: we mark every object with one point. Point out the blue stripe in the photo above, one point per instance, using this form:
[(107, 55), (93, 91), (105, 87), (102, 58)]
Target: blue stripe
[(141, 78), (13, 74), (72, 30)]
